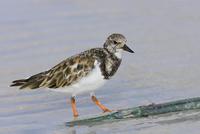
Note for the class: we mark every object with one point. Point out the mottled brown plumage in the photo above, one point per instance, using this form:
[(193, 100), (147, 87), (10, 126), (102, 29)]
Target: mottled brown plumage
[(63, 74), (86, 71), (76, 67), (72, 70)]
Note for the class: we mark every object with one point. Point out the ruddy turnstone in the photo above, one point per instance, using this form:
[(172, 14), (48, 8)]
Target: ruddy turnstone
[(80, 73)]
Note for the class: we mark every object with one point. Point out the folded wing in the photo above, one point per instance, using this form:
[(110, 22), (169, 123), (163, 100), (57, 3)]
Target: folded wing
[(64, 74)]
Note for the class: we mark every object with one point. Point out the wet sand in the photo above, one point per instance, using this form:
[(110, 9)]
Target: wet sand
[(36, 35)]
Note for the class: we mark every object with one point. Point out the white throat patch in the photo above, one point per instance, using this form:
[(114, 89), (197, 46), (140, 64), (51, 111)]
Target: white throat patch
[(118, 53)]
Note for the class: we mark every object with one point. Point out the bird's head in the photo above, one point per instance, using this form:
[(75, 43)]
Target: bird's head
[(115, 43)]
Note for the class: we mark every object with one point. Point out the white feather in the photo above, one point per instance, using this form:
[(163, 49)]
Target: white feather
[(91, 82), (118, 53)]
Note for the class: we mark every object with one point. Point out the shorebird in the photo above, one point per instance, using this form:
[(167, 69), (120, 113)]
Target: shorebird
[(84, 72)]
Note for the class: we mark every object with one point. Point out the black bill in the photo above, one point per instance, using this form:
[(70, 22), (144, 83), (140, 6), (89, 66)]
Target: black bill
[(126, 48)]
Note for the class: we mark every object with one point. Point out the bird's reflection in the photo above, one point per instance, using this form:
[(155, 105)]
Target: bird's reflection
[(77, 131)]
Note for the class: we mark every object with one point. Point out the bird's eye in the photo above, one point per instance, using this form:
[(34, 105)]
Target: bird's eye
[(115, 42)]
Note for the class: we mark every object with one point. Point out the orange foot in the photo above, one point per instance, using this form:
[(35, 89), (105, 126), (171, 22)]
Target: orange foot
[(97, 102), (74, 110)]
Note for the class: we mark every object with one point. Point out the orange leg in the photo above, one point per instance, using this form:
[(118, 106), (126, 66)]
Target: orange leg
[(97, 102), (74, 110)]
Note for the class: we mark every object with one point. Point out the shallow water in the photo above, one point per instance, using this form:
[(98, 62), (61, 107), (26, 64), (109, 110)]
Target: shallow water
[(35, 35)]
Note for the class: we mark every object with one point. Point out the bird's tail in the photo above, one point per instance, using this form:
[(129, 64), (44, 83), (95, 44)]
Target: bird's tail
[(18, 82), (33, 82)]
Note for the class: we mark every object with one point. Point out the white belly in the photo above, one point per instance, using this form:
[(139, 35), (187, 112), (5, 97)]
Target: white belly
[(91, 82)]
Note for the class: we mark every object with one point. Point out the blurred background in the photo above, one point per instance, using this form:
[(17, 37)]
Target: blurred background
[(35, 35)]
